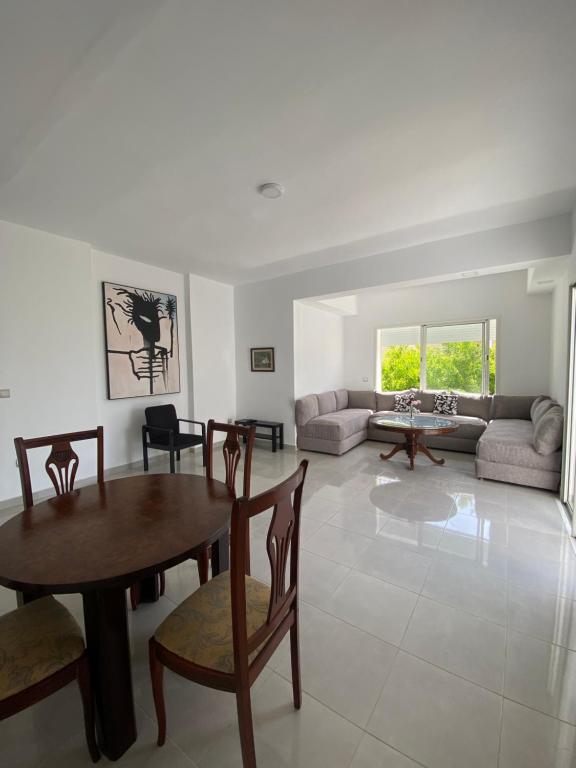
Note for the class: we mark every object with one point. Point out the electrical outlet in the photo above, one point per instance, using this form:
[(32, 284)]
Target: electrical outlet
[(4, 393)]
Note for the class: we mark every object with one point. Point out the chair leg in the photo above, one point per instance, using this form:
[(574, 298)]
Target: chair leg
[(203, 561), (88, 706), (145, 455), (246, 728), (135, 596), (157, 675), (204, 450), (295, 659), (177, 455), (172, 467)]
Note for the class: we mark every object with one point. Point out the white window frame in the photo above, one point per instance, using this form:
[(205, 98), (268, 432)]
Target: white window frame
[(485, 322)]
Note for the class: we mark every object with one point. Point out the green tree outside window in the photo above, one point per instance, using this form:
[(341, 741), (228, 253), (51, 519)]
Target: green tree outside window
[(452, 365)]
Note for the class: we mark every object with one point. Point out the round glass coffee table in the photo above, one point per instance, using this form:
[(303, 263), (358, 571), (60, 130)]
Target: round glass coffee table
[(414, 428)]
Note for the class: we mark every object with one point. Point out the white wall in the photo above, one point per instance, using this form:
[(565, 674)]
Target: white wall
[(318, 349), (213, 349), (122, 419), (523, 367), (46, 344), (52, 343), (264, 310), (560, 325)]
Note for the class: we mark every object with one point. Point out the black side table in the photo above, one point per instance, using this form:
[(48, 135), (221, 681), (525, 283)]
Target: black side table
[(276, 431)]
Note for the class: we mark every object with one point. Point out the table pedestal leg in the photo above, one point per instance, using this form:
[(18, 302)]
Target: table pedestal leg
[(106, 625), (149, 589), (411, 448), (397, 448), (423, 449), (221, 554)]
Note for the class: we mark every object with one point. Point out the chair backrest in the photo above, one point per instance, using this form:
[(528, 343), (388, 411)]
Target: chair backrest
[(282, 544), (161, 416), (232, 452), (62, 462)]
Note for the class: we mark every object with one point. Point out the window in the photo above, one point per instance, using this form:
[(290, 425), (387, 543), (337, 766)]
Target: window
[(459, 356)]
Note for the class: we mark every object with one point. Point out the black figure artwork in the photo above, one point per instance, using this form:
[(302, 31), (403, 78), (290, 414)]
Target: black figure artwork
[(141, 341)]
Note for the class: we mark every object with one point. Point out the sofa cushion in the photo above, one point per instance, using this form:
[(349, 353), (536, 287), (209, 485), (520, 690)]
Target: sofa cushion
[(469, 427), (511, 406), (426, 397), (327, 402), (445, 404), (474, 405), (536, 402), (385, 401), (306, 409), (362, 398), (403, 401), (541, 407), (510, 441), (338, 425), (548, 431), (341, 399)]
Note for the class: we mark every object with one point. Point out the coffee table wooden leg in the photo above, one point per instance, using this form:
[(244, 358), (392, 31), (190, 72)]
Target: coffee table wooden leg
[(397, 448), (423, 449), (106, 625), (221, 554), (411, 448)]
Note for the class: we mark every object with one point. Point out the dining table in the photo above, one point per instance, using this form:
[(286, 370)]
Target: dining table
[(99, 540)]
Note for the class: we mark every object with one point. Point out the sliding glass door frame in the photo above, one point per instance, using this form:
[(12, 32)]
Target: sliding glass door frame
[(567, 490)]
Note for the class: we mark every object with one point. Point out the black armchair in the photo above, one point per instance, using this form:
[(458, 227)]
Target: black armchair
[(162, 432)]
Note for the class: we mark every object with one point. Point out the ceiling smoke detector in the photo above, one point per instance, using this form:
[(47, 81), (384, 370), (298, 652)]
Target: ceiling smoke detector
[(271, 190)]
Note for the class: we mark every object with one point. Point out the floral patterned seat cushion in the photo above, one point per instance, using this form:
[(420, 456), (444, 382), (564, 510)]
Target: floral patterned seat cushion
[(36, 641), (200, 628)]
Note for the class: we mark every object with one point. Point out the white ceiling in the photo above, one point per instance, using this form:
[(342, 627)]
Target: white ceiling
[(143, 127)]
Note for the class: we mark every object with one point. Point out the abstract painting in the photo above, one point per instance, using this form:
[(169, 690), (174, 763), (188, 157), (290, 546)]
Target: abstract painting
[(141, 341)]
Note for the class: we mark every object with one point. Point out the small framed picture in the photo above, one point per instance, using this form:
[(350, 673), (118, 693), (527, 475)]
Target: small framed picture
[(262, 359)]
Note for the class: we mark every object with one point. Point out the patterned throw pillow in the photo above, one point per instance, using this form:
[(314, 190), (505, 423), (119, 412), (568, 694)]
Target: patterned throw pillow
[(402, 402), (445, 404)]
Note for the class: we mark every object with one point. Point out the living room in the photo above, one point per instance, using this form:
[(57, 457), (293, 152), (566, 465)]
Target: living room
[(288, 391)]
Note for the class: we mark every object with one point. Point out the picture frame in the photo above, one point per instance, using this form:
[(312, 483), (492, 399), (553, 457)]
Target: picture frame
[(141, 341), (262, 360)]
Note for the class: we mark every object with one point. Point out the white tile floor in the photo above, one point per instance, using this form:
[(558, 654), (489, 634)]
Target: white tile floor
[(438, 630)]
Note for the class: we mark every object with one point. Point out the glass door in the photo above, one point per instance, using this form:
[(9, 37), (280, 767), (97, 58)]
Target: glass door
[(568, 491)]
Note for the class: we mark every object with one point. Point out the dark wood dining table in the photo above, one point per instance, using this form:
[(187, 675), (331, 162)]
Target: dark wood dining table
[(100, 539)]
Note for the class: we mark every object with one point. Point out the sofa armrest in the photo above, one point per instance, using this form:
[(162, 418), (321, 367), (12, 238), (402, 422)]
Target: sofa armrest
[(306, 408)]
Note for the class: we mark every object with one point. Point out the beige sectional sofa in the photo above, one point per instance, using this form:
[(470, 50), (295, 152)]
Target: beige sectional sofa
[(522, 443), (516, 439)]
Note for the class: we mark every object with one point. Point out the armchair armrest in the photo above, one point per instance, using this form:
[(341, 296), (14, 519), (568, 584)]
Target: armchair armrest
[(200, 424), (146, 429)]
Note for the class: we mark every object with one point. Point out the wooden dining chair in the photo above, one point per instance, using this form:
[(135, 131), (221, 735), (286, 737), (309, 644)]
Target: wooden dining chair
[(223, 635), (42, 650), (62, 462), (232, 453)]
